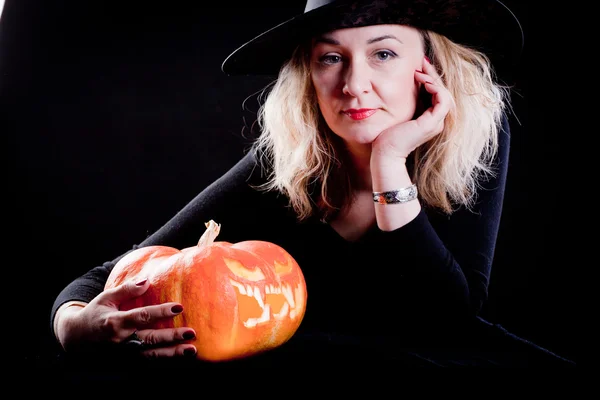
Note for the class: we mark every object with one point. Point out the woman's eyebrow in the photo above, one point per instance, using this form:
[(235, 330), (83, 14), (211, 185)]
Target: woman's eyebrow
[(330, 40), (327, 40), (380, 38)]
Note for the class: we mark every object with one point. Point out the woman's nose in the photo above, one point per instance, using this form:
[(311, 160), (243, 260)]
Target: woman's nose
[(357, 80)]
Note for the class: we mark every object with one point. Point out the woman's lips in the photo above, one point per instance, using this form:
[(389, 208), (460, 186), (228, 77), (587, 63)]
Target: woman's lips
[(359, 114)]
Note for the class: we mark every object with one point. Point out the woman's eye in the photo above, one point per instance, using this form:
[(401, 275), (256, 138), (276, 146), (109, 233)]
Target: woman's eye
[(330, 59), (384, 55)]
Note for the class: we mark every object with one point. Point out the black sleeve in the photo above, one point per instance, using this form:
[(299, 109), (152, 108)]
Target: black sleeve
[(446, 260), (226, 201)]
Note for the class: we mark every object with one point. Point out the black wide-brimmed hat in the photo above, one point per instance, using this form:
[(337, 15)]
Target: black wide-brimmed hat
[(486, 25)]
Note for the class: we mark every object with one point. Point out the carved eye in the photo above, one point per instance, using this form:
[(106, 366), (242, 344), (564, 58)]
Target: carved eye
[(283, 269), (243, 271)]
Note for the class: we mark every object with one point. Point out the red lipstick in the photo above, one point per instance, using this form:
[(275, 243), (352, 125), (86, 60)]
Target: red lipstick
[(361, 113)]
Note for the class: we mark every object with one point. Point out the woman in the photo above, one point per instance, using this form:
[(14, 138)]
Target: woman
[(380, 167)]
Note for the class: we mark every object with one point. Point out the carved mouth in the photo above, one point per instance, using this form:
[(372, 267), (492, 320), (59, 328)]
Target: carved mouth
[(259, 303)]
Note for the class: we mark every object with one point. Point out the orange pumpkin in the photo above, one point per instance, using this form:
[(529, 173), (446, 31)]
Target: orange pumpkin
[(241, 299)]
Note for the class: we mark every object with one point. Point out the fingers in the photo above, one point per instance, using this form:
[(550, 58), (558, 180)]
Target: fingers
[(186, 350), (126, 291), (162, 337), (167, 342), (145, 316), (430, 70), (441, 100), (125, 327)]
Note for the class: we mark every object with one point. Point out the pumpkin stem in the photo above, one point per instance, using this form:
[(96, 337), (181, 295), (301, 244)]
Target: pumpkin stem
[(212, 231)]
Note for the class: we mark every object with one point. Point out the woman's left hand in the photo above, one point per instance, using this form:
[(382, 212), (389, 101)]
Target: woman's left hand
[(398, 141)]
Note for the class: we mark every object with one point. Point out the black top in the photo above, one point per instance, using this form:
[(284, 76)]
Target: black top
[(431, 272)]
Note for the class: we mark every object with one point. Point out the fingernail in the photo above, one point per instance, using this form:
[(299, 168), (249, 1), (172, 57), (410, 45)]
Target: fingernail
[(189, 335), (141, 282), (177, 309), (190, 351)]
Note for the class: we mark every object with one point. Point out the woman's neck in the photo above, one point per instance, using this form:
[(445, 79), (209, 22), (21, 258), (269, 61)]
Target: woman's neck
[(360, 156)]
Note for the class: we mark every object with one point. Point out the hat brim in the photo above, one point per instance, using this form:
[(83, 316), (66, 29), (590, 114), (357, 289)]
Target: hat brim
[(486, 25)]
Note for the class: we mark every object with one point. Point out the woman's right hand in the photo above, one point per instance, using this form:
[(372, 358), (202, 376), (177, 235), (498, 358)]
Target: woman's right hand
[(100, 322)]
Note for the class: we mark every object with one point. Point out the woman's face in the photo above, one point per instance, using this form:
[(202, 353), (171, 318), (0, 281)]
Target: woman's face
[(364, 78)]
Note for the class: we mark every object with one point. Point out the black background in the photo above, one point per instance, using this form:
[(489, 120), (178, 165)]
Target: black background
[(116, 113)]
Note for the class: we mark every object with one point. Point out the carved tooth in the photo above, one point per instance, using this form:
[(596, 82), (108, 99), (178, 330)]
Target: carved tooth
[(258, 297), (272, 288), (278, 290), (289, 296), (266, 315), (283, 312), (249, 290), (267, 289), (251, 323), (238, 285)]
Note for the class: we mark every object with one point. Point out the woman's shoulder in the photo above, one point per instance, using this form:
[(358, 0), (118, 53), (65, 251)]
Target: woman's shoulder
[(249, 170), (243, 187)]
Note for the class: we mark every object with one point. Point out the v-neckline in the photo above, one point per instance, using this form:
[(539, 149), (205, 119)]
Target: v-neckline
[(332, 232)]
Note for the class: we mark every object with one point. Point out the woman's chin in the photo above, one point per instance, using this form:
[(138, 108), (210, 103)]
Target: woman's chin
[(363, 136)]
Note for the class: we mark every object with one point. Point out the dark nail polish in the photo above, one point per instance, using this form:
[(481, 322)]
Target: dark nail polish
[(141, 282), (177, 309), (189, 351), (189, 335)]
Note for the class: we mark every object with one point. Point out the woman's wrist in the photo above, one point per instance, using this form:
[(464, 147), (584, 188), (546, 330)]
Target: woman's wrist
[(389, 173), (62, 316), (394, 194)]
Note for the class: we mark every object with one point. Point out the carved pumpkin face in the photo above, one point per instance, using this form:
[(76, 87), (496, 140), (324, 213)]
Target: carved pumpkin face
[(266, 291), (241, 299)]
